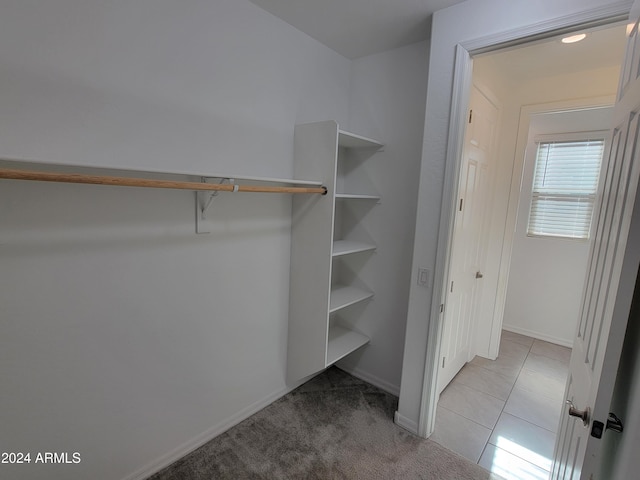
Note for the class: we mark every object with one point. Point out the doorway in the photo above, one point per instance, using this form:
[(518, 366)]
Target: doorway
[(527, 80)]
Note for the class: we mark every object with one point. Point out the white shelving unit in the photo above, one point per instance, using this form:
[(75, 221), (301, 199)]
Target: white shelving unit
[(325, 234)]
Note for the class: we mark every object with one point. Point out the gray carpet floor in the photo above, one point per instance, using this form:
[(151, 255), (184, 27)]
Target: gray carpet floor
[(333, 427)]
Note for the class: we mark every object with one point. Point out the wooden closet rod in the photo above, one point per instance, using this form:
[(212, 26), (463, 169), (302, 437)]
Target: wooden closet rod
[(12, 174)]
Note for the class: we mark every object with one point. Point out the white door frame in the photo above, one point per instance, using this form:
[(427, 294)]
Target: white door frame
[(463, 70)]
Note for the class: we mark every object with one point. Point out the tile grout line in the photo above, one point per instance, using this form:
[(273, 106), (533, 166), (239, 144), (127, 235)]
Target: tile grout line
[(460, 415), (502, 410), (505, 402), (497, 398)]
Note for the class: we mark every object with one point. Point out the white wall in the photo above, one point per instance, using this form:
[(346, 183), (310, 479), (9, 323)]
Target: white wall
[(387, 103), (124, 336), (546, 277), (469, 20)]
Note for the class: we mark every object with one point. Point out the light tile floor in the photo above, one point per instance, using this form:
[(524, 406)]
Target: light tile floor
[(503, 414)]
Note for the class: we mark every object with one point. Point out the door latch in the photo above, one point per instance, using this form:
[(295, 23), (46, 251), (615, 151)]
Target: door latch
[(613, 423)]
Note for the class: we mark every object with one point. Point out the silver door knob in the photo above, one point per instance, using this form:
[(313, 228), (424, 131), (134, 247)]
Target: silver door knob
[(583, 414), (479, 275)]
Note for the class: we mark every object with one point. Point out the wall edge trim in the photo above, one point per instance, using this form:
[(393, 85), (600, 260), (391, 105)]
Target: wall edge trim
[(405, 423)]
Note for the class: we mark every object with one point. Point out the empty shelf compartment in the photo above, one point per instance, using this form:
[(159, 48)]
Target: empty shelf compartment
[(342, 296), (342, 342)]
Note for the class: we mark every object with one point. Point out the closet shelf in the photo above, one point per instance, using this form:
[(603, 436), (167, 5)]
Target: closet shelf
[(351, 140), (342, 342), (31, 165), (205, 192), (347, 247), (355, 196), (343, 296), (13, 174)]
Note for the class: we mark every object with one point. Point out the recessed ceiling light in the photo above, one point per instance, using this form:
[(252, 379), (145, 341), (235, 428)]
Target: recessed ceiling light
[(574, 38)]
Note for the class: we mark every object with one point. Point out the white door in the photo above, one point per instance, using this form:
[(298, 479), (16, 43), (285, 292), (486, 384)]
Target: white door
[(611, 277), (469, 241)]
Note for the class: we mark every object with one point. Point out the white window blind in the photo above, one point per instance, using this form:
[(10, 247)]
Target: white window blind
[(564, 188)]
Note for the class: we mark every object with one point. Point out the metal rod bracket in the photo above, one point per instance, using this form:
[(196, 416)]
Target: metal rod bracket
[(203, 202)]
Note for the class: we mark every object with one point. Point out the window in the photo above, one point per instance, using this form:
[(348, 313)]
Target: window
[(565, 183)]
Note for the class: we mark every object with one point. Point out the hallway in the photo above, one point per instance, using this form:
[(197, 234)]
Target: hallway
[(503, 414)]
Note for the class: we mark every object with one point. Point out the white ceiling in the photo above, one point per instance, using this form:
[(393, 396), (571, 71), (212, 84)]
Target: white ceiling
[(603, 47), (355, 28)]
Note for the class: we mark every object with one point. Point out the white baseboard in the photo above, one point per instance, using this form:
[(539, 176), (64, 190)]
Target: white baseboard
[(372, 379), (196, 442), (405, 423), (540, 336)]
